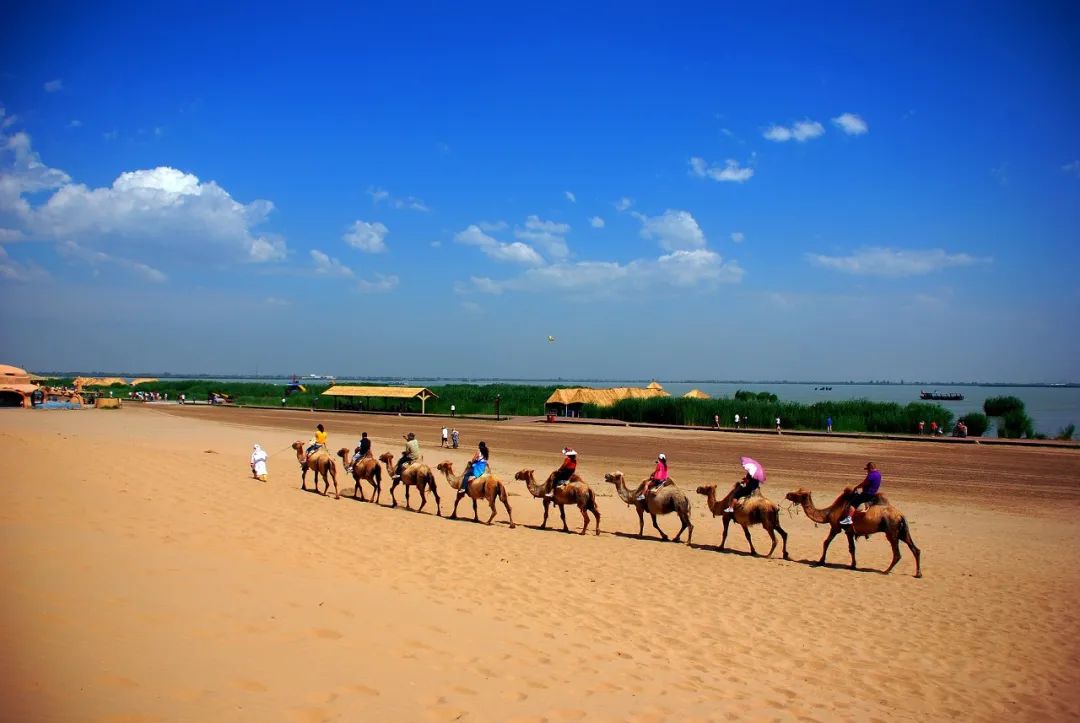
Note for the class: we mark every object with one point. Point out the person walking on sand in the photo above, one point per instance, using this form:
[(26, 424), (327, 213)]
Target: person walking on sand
[(445, 437), (864, 492), (736, 420), (454, 438), (828, 425), (258, 463), (564, 472), (716, 420), (778, 425), (657, 480), (476, 467), (922, 427)]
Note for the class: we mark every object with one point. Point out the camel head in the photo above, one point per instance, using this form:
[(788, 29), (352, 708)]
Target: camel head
[(445, 467), (386, 457), (526, 475), (614, 477), (798, 496), (706, 490), (298, 446), (343, 453)]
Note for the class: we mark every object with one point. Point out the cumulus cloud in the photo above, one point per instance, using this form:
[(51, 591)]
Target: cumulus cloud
[(675, 230), (680, 269), (54, 86), (12, 270), (515, 252), (851, 124), (380, 285), (570, 196), (408, 203), (596, 222), (623, 203), (800, 131), (731, 170), (738, 236), (548, 235), (369, 237), (880, 261), (96, 259), (326, 266)]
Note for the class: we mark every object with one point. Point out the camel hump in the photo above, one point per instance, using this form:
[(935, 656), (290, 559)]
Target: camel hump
[(878, 500)]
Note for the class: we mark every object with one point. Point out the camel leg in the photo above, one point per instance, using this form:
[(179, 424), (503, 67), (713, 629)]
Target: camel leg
[(475, 514), (547, 506), (453, 515), (685, 526), (723, 540), (833, 532), (585, 517), (851, 546), (303, 479), (596, 514), (654, 524), (562, 514), (423, 497), (506, 504), (894, 543), (333, 476), (914, 551), (641, 522), (492, 503), (358, 492), (772, 537), (408, 501), (438, 502), (750, 540), (393, 498)]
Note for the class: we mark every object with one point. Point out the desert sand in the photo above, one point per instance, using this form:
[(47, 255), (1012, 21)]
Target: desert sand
[(149, 577)]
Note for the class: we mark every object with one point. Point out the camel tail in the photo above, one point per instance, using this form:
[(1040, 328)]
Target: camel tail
[(502, 491), (378, 474), (590, 501)]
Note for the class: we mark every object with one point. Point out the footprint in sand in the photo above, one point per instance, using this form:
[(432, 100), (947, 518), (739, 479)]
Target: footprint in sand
[(362, 689), (327, 634)]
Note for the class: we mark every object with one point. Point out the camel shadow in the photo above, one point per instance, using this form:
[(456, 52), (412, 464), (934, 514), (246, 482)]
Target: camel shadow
[(646, 538), (726, 550), (846, 567), (561, 531)]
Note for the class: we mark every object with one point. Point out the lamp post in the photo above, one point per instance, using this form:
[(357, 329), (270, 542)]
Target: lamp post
[(498, 398)]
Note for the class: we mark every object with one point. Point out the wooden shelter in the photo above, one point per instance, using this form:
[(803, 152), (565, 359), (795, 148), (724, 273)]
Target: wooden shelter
[(696, 394), (345, 391), (569, 401)]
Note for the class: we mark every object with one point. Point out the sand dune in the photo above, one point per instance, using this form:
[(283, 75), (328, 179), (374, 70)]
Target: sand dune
[(150, 578)]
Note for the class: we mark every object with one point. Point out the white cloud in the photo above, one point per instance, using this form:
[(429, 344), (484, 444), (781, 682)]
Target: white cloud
[(75, 123), (111, 135), (11, 270), (879, 261), (674, 230), (596, 222), (738, 236), (801, 131), (380, 285), (1073, 169), (731, 171), (369, 237), (678, 270), (623, 203), (73, 251), (6, 120), (570, 196), (54, 85), (276, 301), (515, 252), (548, 235), (326, 266), (492, 226), (408, 203), (851, 123)]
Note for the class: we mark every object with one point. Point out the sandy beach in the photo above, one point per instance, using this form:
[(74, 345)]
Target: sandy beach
[(149, 577)]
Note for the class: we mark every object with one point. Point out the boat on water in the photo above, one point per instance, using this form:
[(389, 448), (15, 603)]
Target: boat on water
[(942, 396)]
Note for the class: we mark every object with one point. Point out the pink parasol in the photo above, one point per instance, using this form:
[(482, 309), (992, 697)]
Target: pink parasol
[(754, 468)]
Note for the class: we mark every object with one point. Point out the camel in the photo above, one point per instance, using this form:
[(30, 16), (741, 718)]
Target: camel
[(668, 498), (366, 468), (753, 510), (416, 475), (320, 463), (574, 492), (881, 516), (486, 486)]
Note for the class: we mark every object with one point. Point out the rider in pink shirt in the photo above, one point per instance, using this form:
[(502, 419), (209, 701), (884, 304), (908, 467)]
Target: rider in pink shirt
[(658, 478)]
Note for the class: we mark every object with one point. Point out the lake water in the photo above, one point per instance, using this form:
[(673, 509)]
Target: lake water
[(1051, 408)]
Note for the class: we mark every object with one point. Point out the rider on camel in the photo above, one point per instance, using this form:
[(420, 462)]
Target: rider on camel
[(864, 492), (410, 454), (743, 488), (657, 480), (563, 473), (314, 445), (476, 467)]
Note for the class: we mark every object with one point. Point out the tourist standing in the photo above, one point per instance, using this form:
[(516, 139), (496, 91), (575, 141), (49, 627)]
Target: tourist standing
[(258, 463), (453, 410), (716, 420), (445, 437), (454, 438), (778, 425), (828, 425), (736, 420), (922, 427)]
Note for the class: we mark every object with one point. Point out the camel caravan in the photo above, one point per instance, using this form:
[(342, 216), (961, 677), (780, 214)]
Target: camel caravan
[(657, 495)]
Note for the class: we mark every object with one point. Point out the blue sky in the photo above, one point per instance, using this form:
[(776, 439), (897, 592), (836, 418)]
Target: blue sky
[(845, 191)]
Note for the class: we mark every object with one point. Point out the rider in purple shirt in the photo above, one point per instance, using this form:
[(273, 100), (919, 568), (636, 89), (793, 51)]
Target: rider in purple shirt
[(864, 492)]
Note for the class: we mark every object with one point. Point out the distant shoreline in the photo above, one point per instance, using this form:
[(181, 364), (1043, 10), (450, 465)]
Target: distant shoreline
[(557, 381)]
